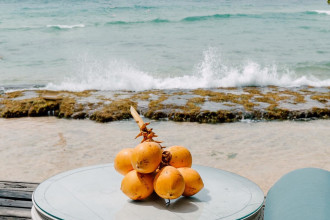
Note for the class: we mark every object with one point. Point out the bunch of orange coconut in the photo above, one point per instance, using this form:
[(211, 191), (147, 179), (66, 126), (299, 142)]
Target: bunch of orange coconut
[(149, 167)]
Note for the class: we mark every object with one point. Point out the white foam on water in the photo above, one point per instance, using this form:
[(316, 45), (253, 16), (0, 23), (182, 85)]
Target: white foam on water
[(211, 72), (114, 75), (63, 26), (322, 12)]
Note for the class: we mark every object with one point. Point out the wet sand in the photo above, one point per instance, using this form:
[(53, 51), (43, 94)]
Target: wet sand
[(34, 149)]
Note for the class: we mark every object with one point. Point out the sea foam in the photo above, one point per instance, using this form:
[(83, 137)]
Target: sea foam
[(63, 26), (322, 12), (211, 72)]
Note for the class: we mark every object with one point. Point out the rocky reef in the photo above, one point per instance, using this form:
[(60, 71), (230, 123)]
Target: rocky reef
[(199, 105)]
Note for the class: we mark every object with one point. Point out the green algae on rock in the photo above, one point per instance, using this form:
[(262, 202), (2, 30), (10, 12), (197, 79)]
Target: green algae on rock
[(216, 105), (116, 110)]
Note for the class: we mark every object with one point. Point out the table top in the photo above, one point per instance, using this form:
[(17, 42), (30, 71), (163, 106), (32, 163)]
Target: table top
[(94, 193)]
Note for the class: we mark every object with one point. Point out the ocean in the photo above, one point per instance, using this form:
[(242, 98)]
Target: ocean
[(137, 45)]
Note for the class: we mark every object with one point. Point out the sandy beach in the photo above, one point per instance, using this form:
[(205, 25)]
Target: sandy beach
[(34, 149)]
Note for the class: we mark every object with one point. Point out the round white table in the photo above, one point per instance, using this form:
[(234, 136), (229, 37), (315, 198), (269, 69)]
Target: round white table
[(94, 193)]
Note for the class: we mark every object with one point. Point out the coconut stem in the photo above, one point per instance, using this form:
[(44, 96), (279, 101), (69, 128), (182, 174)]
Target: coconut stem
[(137, 117), (166, 158), (146, 133)]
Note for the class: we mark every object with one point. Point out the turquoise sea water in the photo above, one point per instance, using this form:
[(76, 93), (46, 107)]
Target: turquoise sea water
[(136, 45)]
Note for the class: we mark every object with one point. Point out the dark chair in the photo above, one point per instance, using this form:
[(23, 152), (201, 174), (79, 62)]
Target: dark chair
[(303, 194)]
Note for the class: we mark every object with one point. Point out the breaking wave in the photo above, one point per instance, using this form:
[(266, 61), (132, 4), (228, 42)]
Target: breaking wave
[(207, 17), (199, 18), (252, 15), (211, 72), (157, 20), (60, 26), (320, 12)]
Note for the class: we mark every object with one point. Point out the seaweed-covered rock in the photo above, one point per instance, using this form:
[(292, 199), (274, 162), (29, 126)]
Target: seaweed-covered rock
[(41, 107), (218, 105), (67, 107), (15, 109), (116, 110)]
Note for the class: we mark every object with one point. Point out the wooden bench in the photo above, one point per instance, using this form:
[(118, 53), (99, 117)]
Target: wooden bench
[(15, 200)]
